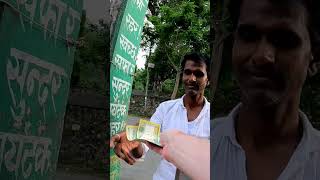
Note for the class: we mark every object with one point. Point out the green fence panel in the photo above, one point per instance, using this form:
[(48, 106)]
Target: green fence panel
[(36, 59)]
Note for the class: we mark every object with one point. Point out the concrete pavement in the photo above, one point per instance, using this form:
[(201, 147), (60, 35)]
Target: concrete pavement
[(140, 170)]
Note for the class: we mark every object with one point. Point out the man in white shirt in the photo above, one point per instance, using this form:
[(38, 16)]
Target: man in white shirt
[(189, 114), (266, 136)]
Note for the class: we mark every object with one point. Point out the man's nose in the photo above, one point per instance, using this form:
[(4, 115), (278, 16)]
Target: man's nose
[(264, 53), (192, 77)]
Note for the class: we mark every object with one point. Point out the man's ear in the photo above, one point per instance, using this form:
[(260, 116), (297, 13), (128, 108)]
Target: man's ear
[(313, 66)]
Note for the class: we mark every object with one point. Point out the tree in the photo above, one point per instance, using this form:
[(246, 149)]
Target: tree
[(220, 32), (90, 56), (179, 27), (139, 79)]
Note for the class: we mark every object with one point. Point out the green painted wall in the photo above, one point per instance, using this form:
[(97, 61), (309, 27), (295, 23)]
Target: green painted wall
[(35, 69)]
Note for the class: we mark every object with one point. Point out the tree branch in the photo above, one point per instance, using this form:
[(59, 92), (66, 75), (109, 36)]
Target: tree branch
[(170, 60)]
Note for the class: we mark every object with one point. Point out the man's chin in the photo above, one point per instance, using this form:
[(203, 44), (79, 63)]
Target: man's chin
[(191, 92)]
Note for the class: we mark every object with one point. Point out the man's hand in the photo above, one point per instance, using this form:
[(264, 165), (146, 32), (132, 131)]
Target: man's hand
[(169, 141), (125, 149)]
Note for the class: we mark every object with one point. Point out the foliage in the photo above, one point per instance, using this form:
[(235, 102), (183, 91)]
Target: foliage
[(90, 56), (168, 85), (139, 79), (310, 99), (180, 26)]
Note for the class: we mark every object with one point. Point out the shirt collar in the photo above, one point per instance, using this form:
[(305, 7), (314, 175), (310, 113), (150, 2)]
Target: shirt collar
[(309, 142), (206, 104)]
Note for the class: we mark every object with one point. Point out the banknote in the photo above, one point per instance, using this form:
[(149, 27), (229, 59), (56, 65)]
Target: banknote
[(148, 131), (131, 132)]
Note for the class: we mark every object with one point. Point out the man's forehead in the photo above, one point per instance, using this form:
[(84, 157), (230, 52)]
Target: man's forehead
[(266, 12), (192, 64)]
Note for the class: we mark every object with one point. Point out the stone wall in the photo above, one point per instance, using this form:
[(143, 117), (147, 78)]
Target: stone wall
[(85, 133), (137, 103)]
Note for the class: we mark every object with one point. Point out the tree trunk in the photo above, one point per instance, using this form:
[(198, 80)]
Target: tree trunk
[(176, 85), (216, 66), (220, 33), (217, 47)]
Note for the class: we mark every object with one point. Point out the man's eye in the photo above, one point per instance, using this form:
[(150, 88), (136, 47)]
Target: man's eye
[(248, 34), (198, 74), (284, 40)]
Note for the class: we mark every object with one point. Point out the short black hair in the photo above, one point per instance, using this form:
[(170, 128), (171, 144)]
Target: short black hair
[(312, 9), (197, 58)]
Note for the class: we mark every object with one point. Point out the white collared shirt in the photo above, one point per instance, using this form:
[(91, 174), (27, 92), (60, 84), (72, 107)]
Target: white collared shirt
[(228, 160), (173, 115)]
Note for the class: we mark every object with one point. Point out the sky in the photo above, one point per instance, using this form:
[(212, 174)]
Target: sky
[(96, 9), (141, 57)]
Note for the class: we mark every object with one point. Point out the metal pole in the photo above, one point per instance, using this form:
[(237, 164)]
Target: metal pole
[(146, 93), (147, 83)]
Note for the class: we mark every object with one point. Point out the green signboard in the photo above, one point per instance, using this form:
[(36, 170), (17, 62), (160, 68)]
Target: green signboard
[(125, 48), (36, 59)]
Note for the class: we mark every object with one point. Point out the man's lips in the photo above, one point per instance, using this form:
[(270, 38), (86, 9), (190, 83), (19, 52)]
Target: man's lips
[(261, 79), (260, 75), (192, 87)]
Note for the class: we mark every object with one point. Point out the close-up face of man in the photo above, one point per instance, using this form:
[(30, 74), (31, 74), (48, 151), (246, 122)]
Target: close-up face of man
[(271, 51), (194, 77)]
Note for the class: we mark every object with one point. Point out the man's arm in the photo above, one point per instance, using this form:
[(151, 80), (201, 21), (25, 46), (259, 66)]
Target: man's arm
[(185, 152)]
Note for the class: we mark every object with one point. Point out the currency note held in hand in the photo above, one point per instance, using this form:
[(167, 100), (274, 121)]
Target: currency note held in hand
[(146, 131), (131, 132), (149, 131)]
